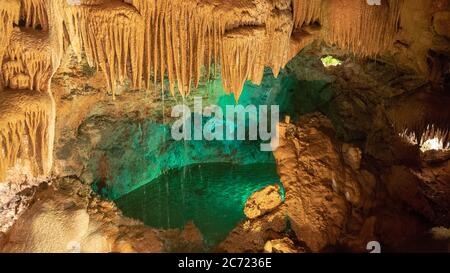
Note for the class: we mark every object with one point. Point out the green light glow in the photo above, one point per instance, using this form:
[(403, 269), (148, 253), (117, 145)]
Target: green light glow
[(330, 61)]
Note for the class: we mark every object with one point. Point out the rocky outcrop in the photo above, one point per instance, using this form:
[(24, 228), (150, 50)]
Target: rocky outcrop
[(322, 192), (425, 190), (189, 239), (441, 23), (421, 42), (67, 217), (284, 245), (352, 156), (327, 194), (262, 202), (252, 235)]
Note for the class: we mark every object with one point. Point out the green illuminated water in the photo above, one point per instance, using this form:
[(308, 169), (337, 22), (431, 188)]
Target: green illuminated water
[(211, 195)]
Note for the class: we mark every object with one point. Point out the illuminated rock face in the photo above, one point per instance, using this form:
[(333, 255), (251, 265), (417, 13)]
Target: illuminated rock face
[(320, 188), (263, 201), (78, 221)]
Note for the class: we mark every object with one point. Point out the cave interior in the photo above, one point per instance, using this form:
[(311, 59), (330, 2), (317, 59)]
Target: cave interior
[(359, 151)]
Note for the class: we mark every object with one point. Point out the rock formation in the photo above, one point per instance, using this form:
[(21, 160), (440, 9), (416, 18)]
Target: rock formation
[(262, 202), (67, 217), (24, 131), (320, 189)]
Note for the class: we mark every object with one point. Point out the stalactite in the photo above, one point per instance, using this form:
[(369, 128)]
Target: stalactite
[(9, 14), (245, 51), (421, 132), (28, 63), (243, 57), (112, 35), (279, 29), (33, 13), (364, 29), (24, 134), (428, 120), (306, 11)]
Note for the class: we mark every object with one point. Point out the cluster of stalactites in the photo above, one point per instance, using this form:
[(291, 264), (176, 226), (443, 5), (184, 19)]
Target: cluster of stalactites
[(279, 27), (28, 61), (420, 133), (33, 55), (246, 51), (365, 30), (180, 38), (436, 132), (30, 57), (24, 134), (306, 11), (112, 36), (33, 13), (31, 130), (422, 116), (184, 40), (9, 15)]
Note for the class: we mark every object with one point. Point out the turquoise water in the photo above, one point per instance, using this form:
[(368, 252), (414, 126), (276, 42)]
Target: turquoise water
[(211, 195)]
